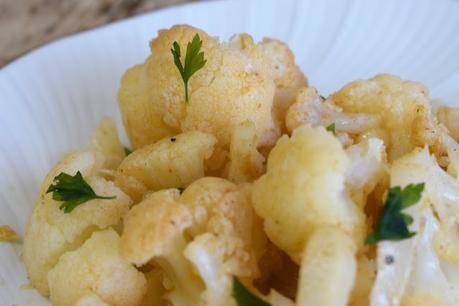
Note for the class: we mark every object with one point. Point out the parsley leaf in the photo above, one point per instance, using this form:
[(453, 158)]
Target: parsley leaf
[(244, 297), (194, 60), (127, 151), (331, 128), (393, 224), (72, 191)]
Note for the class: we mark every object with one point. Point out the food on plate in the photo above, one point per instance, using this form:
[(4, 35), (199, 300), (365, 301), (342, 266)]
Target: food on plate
[(247, 187), (7, 233)]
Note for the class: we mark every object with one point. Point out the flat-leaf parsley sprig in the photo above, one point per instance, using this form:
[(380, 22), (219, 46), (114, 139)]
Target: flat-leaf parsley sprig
[(72, 191), (244, 297), (194, 60), (393, 224)]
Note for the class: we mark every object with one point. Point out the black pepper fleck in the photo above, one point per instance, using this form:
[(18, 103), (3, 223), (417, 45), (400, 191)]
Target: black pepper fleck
[(173, 139), (389, 259)]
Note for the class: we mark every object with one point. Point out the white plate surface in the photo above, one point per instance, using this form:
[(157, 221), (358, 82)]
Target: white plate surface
[(51, 98)]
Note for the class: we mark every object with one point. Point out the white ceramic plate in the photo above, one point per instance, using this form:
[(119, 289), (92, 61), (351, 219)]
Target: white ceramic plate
[(51, 98)]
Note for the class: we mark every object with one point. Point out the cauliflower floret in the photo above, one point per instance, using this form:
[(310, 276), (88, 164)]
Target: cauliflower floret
[(50, 232), (405, 110), (304, 188), (368, 168), (310, 108), (205, 236), (230, 89), (245, 162), (328, 268), (217, 259), (96, 267), (277, 57), (171, 162), (105, 139), (223, 208), (420, 267), (449, 117), (154, 231)]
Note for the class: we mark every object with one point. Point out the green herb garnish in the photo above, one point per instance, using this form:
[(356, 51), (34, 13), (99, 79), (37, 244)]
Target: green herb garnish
[(331, 128), (194, 60), (127, 151), (244, 297), (393, 224), (72, 191)]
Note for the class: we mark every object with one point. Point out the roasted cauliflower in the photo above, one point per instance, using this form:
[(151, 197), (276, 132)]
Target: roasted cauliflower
[(96, 271)]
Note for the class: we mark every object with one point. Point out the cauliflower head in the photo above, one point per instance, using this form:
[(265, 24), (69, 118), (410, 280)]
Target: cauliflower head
[(171, 162), (304, 188), (50, 232), (96, 271), (231, 88)]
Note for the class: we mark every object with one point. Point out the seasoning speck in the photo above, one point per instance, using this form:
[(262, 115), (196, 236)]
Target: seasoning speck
[(389, 259), (173, 139)]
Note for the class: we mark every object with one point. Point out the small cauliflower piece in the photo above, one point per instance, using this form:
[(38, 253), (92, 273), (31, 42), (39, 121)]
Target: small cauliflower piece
[(230, 89), (310, 108), (449, 117), (154, 231), (422, 267), (97, 268), (50, 232), (328, 269), (171, 162), (105, 139), (224, 208), (217, 259), (7, 233), (304, 188), (90, 300), (279, 60), (405, 110), (368, 169), (245, 162)]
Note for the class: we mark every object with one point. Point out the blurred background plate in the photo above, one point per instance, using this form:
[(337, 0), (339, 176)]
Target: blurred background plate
[(51, 98)]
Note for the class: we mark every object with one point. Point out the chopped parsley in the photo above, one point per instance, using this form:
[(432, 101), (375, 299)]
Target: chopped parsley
[(194, 60), (244, 297), (393, 223), (331, 128), (72, 191), (127, 151)]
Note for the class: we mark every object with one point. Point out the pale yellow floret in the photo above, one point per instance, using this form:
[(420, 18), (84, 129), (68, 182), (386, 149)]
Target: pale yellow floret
[(50, 232), (96, 268)]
